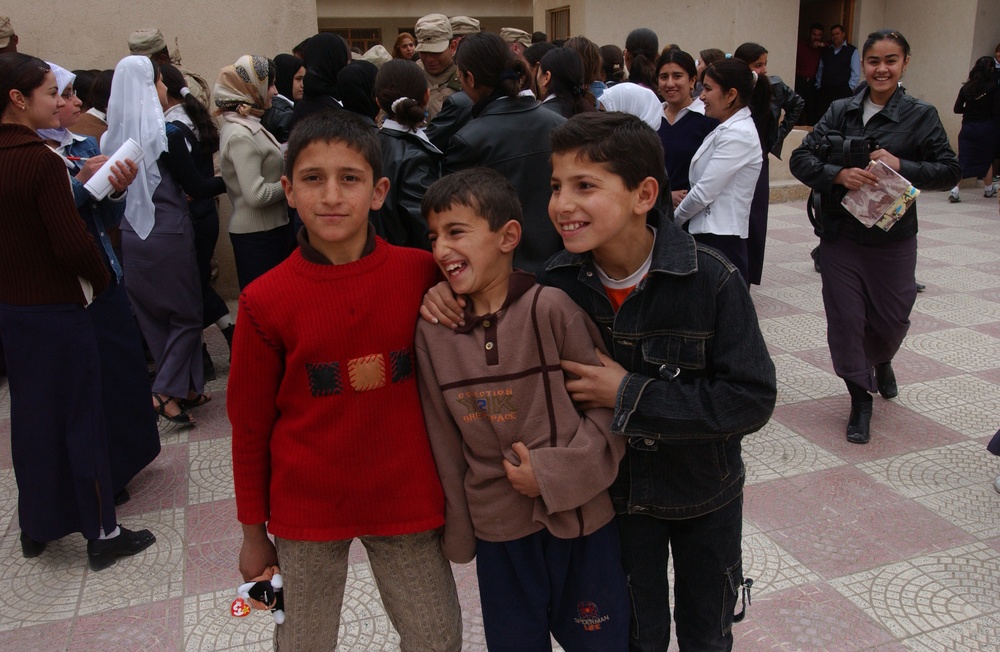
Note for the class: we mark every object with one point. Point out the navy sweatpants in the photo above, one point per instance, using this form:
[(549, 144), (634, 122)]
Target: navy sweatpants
[(573, 588)]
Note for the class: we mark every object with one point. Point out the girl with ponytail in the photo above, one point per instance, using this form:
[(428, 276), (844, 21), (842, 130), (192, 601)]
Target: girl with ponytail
[(509, 132), (409, 159), (641, 49), (201, 138), (772, 97), (561, 84), (725, 169)]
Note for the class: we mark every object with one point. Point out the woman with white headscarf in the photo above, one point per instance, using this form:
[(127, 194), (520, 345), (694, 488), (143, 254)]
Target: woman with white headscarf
[(133, 439), (251, 162), (635, 99), (161, 270)]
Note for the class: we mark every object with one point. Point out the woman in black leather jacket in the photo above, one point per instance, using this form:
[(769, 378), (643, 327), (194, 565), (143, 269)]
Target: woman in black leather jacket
[(868, 286), (772, 130), (509, 132), (409, 159)]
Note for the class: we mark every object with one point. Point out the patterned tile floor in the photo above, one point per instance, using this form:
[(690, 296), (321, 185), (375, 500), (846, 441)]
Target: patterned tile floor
[(890, 546)]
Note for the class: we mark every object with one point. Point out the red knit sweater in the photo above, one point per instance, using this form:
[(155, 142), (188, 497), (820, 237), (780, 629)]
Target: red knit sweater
[(44, 245), (328, 435)]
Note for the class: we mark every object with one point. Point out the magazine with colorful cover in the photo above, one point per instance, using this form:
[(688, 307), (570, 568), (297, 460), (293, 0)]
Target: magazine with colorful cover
[(884, 203)]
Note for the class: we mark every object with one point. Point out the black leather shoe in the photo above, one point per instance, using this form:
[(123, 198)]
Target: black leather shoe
[(885, 378), (814, 254), (102, 553), (859, 425), (29, 547), (122, 497), (208, 367)]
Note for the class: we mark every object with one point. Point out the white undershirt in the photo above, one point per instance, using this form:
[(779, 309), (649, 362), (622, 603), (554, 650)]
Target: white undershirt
[(869, 109), (632, 279)]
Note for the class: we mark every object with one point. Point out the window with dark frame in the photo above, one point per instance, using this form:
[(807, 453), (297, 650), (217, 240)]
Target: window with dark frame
[(558, 23), (363, 38)]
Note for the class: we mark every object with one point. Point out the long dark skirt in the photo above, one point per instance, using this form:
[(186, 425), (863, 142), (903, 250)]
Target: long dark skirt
[(58, 441), (161, 277), (757, 235), (133, 438), (257, 253), (978, 142), (206, 235), (733, 247), (868, 293)]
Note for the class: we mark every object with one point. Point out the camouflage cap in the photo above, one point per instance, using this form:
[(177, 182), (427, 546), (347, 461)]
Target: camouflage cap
[(6, 31), (146, 42), (463, 25), (433, 33), (514, 35)]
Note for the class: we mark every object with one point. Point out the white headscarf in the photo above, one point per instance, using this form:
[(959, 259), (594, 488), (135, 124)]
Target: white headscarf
[(635, 99), (134, 112), (64, 78)]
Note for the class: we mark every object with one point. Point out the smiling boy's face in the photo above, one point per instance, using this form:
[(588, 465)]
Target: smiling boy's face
[(475, 260), (591, 207), (333, 189)]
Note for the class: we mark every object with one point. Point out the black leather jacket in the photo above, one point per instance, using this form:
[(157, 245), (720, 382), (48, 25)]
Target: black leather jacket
[(783, 98), (511, 135), (909, 129), (278, 119), (412, 165), (454, 114)]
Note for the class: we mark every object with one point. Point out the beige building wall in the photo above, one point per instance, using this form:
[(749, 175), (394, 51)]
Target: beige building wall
[(693, 25), (394, 15)]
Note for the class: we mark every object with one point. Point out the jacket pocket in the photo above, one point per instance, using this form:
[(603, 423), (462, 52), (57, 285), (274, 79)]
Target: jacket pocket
[(682, 351)]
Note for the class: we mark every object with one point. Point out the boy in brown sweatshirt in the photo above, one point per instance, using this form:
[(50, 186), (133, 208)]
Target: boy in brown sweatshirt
[(524, 470)]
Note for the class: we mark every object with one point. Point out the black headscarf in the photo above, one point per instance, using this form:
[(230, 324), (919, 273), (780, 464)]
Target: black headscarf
[(326, 54), (286, 66), (357, 88)]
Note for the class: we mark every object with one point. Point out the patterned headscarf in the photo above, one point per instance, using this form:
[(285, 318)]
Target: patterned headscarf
[(242, 87)]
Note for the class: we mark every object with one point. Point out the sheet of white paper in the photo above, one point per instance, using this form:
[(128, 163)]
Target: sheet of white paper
[(98, 185)]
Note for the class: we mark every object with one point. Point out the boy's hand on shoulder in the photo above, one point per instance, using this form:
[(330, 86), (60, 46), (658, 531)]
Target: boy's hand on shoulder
[(522, 477), (257, 552), (594, 386), (441, 306)]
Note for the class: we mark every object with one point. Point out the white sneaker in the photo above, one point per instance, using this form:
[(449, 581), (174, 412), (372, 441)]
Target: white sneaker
[(990, 191), (953, 197)]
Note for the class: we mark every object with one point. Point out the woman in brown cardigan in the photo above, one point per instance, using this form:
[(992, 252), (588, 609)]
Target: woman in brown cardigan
[(50, 269)]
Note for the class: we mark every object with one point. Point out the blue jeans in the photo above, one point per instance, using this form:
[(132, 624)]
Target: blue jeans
[(708, 572)]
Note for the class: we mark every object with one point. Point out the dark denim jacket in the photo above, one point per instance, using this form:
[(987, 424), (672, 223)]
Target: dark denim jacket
[(700, 376)]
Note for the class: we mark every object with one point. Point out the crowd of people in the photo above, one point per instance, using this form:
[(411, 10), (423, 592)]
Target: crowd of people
[(570, 435)]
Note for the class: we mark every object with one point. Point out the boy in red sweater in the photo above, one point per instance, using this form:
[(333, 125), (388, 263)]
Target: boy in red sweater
[(524, 470), (329, 441)]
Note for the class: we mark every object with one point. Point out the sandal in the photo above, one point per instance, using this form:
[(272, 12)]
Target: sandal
[(183, 418), (197, 401)]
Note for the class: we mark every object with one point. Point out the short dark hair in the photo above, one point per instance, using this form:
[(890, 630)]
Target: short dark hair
[(484, 191), (837, 26), (818, 26), (539, 37), (335, 126), (626, 145), (100, 92)]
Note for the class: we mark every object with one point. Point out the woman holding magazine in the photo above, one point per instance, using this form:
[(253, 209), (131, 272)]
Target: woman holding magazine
[(868, 282)]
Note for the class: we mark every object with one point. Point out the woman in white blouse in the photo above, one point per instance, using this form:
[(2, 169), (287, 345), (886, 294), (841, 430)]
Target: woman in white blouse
[(724, 170)]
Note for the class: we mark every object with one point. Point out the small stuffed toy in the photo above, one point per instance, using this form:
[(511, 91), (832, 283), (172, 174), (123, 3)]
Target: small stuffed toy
[(262, 593)]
